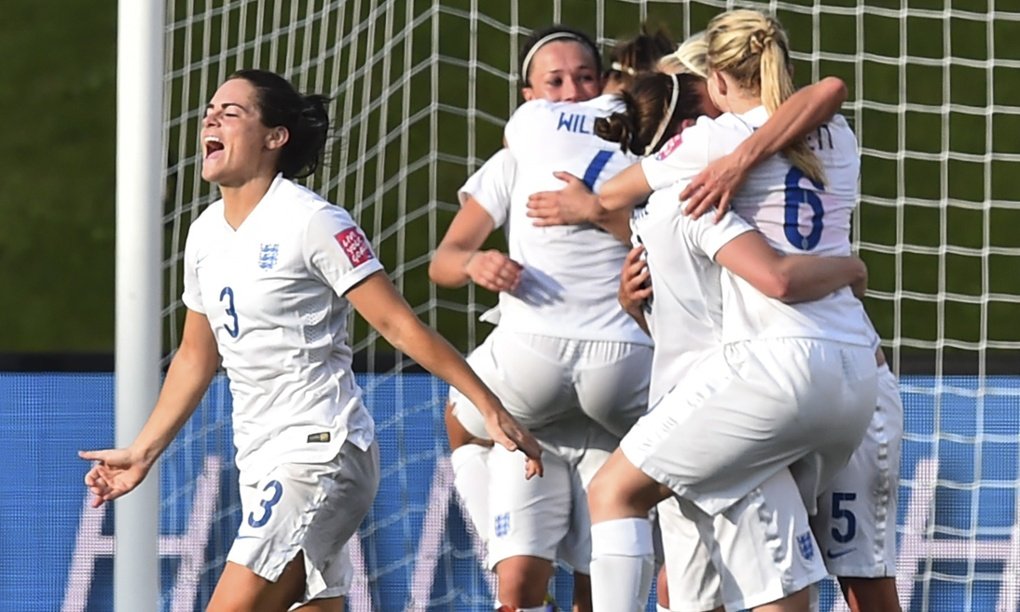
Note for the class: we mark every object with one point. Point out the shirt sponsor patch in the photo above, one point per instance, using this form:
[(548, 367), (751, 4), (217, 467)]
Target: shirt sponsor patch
[(355, 246), (669, 147)]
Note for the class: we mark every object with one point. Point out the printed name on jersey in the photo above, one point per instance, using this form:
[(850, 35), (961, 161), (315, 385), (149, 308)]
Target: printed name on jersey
[(268, 254), (355, 246), (574, 122), (820, 139), (669, 147)]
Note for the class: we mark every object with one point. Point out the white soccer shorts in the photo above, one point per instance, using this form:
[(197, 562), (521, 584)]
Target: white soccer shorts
[(752, 410), (547, 517), (312, 508), (541, 380), (759, 550), (856, 521)]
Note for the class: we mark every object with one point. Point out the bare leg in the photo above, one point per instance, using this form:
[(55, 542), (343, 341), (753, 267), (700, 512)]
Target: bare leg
[(240, 589), (582, 592), (523, 581), (870, 594)]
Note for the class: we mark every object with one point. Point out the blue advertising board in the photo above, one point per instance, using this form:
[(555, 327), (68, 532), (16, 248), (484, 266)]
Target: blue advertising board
[(959, 538)]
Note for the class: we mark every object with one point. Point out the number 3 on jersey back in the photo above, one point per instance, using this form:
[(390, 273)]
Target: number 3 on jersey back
[(795, 196)]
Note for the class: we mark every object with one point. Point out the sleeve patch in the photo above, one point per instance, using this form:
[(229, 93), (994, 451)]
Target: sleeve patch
[(355, 246), (669, 147)]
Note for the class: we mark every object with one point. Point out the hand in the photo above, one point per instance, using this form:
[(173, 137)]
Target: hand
[(494, 271), (714, 186), (115, 472), (504, 430), (635, 287), (572, 205), (860, 286)]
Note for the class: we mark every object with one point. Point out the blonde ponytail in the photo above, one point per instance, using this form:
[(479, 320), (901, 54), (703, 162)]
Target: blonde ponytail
[(752, 48)]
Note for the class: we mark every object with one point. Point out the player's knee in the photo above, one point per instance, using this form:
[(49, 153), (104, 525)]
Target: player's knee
[(523, 581)]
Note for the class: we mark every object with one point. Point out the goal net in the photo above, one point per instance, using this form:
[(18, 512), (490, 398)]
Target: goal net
[(419, 94)]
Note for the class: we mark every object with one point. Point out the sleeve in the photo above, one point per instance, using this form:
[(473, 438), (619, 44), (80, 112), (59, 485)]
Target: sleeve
[(490, 186), (680, 159), (710, 236), (192, 294), (337, 251)]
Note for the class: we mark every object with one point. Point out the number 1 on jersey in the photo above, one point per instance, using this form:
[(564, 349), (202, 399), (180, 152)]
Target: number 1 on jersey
[(595, 167)]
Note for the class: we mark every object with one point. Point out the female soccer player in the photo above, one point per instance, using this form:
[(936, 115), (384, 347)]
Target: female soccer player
[(563, 351), (557, 63), (270, 270), (723, 439)]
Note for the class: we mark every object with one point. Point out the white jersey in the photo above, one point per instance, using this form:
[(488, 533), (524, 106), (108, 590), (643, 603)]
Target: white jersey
[(490, 186), (271, 291), (685, 311), (794, 215), (570, 279)]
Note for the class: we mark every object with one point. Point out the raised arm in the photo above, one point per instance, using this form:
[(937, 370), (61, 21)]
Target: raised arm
[(118, 471), (789, 278), (458, 258), (802, 113), (377, 300)]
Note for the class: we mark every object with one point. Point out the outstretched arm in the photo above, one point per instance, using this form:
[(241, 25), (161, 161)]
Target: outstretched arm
[(458, 258), (803, 112), (789, 278), (377, 300), (118, 471)]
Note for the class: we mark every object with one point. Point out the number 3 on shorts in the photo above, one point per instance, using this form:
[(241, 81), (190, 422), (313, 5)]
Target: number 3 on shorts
[(267, 504)]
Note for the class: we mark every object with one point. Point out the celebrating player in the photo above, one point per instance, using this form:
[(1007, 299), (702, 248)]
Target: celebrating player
[(270, 271), (564, 355), (723, 437)]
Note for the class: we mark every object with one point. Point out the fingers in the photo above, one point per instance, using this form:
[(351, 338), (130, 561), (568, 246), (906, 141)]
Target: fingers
[(496, 272), (566, 177), (697, 205), (504, 440), (94, 455), (693, 187), (532, 468)]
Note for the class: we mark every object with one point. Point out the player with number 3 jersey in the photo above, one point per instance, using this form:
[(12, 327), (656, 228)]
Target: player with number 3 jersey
[(272, 271)]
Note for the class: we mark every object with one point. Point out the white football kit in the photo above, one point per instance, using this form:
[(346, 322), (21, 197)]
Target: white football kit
[(798, 217), (272, 292), (787, 373), (563, 347), (684, 316)]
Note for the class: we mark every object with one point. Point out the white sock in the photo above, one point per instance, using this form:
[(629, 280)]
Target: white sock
[(622, 565), (471, 479), (659, 608)]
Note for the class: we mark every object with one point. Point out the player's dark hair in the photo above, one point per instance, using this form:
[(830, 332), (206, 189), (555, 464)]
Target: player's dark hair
[(305, 118), (647, 103), (528, 49), (638, 54)]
